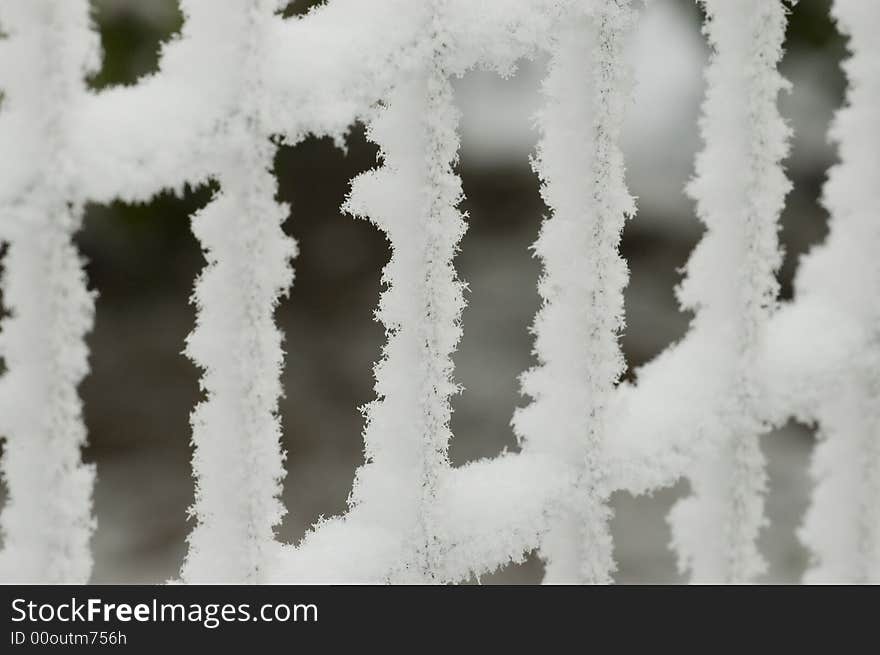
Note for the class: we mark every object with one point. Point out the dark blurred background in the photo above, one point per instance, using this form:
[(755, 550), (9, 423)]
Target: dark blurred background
[(142, 259)]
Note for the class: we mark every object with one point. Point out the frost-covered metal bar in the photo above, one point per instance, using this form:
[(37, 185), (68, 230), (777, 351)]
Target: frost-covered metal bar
[(407, 426), (48, 49), (237, 461), (740, 189), (842, 526), (576, 330), (131, 142)]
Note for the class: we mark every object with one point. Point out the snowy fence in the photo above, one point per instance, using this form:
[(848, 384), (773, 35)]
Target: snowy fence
[(240, 80)]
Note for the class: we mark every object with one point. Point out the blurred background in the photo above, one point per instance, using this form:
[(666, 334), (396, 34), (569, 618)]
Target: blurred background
[(142, 259)]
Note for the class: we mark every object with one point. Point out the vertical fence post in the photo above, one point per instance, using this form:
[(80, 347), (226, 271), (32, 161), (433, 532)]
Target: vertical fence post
[(237, 460), (46, 525), (577, 328), (842, 525), (740, 189), (413, 199)]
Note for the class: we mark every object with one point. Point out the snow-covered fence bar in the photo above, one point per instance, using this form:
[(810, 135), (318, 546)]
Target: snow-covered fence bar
[(587, 92), (237, 463), (131, 142), (740, 189), (407, 427), (842, 279), (241, 75), (46, 523)]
